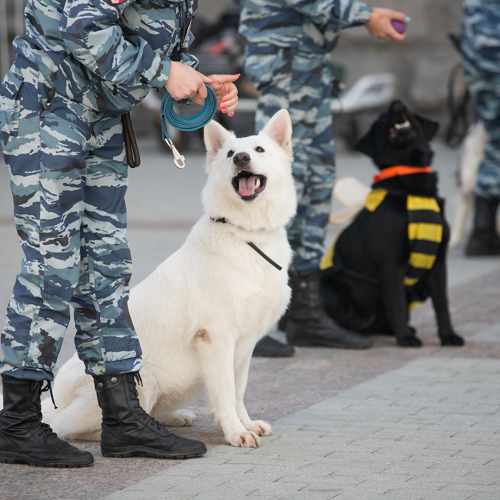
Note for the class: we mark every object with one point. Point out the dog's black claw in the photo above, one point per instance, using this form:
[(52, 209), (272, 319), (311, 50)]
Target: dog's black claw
[(453, 339), (410, 341)]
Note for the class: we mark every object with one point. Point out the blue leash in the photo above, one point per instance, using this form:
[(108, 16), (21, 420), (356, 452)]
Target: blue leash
[(168, 115)]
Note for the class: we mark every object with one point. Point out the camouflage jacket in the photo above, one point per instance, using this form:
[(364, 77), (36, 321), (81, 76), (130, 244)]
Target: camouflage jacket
[(311, 25), (106, 53)]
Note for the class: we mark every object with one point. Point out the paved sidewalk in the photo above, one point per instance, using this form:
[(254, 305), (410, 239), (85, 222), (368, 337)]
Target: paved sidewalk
[(416, 423), (430, 430)]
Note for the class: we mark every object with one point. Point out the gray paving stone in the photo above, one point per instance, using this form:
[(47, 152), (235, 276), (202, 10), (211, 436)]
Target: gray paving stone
[(490, 334), (464, 463), (472, 488), (395, 494), (143, 495), (425, 472), (230, 496), (426, 482), (480, 477), (484, 496), (301, 495), (447, 495), (311, 472), (332, 480), (381, 440), (271, 460)]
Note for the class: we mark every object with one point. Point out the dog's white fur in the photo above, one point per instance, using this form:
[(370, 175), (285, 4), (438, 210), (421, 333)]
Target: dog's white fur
[(200, 313), (471, 156)]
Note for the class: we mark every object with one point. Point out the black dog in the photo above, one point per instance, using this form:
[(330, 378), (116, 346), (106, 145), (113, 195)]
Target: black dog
[(392, 256)]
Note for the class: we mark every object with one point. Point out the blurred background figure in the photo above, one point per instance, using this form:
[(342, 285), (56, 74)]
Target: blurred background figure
[(288, 59), (480, 46)]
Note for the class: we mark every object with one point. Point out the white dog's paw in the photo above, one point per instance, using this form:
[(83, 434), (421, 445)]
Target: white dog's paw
[(179, 418), (260, 428), (247, 439)]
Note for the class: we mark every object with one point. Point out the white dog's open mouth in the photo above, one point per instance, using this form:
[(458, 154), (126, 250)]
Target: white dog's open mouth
[(249, 185)]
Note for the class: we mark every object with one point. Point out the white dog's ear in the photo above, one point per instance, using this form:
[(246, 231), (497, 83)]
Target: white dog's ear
[(279, 128), (215, 135)]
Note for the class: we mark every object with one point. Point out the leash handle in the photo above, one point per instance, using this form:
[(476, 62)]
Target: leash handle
[(168, 115), (131, 149)]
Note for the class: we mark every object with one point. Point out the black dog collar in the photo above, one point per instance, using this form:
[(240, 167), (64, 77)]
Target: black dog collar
[(251, 245)]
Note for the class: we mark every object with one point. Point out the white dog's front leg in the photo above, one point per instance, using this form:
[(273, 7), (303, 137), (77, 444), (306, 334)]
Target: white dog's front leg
[(216, 353), (260, 427)]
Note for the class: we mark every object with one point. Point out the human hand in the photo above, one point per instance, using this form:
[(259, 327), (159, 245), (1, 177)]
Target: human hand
[(185, 82), (226, 92), (379, 25)]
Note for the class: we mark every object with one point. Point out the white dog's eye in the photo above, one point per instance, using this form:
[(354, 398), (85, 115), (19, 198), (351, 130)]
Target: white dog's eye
[(230, 153), (259, 149)]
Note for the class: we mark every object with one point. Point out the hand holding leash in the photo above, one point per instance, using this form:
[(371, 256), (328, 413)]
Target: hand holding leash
[(168, 115)]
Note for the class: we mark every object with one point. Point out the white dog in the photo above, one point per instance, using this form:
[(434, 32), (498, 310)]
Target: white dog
[(201, 312)]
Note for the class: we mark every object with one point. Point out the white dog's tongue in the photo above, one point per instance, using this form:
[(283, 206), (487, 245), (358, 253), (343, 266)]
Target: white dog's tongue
[(248, 185)]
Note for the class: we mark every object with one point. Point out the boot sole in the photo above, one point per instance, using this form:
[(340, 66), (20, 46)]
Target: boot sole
[(329, 344), (138, 451), (273, 355), (16, 458)]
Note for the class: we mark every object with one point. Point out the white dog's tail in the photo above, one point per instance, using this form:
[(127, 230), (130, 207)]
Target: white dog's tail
[(471, 155), (352, 194)]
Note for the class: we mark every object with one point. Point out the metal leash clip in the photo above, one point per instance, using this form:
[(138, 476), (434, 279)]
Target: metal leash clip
[(179, 160)]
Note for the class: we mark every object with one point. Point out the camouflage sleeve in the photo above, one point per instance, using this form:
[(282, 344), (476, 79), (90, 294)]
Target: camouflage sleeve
[(190, 60), (346, 12), (186, 58), (91, 33)]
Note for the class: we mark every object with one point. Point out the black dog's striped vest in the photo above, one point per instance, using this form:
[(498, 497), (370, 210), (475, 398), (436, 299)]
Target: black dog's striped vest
[(425, 233)]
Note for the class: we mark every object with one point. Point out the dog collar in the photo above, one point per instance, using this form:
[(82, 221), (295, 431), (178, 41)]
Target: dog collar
[(251, 245), (387, 173)]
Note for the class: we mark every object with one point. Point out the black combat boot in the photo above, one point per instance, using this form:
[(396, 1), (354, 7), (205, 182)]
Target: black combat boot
[(309, 325), (484, 239), (24, 438), (128, 431), (267, 347)]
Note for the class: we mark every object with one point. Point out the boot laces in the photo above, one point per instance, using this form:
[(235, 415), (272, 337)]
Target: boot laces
[(44, 429), (137, 405), (48, 387)]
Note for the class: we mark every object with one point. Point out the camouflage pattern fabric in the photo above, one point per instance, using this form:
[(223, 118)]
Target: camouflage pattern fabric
[(287, 59), (79, 66), (481, 61), (301, 83), (311, 25), (68, 179), (106, 56)]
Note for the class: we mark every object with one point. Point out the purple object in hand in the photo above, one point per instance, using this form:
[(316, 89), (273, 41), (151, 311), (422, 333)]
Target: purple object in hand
[(399, 26)]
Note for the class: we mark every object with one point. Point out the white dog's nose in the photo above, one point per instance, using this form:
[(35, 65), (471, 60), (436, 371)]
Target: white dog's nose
[(241, 159)]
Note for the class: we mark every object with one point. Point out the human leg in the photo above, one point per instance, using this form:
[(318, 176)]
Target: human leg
[(45, 180), (480, 60), (302, 84), (106, 339)]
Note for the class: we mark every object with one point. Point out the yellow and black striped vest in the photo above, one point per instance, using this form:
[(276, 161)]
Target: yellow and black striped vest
[(425, 233)]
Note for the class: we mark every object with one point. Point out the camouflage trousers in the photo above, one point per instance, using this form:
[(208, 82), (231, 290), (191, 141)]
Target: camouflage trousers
[(301, 83), (68, 180), (480, 56)]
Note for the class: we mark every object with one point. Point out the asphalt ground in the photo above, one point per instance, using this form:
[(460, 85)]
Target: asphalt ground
[(382, 423)]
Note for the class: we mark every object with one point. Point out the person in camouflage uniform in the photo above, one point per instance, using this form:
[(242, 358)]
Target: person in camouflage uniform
[(481, 61), (288, 59), (80, 65)]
